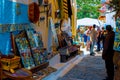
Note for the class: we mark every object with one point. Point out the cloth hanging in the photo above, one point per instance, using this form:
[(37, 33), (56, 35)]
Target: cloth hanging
[(69, 8), (34, 12)]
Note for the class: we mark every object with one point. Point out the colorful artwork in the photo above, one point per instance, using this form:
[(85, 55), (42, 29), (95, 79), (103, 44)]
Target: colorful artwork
[(36, 54), (24, 50), (43, 56), (36, 45), (34, 39), (117, 36), (39, 56)]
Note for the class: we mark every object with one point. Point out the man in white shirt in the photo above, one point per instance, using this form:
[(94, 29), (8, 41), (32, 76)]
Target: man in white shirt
[(93, 37)]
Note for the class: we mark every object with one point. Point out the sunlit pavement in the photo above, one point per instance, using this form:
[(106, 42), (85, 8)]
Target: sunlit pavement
[(82, 67), (89, 68)]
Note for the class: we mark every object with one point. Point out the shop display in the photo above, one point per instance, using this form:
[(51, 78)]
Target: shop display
[(38, 75), (66, 49), (10, 64), (48, 70), (39, 55), (67, 52), (36, 54), (24, 50), (35, 39), (43, 73), (117, 36), (19, 38), (44, 56)]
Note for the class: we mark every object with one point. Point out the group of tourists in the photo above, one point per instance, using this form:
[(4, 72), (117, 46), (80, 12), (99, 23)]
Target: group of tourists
[(92, 37), (104, 37)]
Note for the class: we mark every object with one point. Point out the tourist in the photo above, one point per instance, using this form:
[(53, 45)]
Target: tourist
[(93, 36), (108, 52), (88, 38), (103, 34), (98, 39)]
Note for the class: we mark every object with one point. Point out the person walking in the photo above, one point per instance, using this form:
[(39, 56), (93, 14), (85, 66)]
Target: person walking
[(108, 53), (98, 39), (93, 36), (88, 38), (103, 34)]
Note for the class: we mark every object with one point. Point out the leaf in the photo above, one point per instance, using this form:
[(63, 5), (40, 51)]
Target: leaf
[(87, 8)]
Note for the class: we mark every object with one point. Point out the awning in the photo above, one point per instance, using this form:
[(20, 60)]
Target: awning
[(89, 22)]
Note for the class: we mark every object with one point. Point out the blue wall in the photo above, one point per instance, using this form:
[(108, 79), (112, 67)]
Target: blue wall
[(13, 13), (13, 17)]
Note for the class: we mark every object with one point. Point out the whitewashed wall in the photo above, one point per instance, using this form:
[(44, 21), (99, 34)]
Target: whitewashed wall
[(110, 19)]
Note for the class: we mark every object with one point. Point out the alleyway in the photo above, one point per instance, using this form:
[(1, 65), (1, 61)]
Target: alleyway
[(90, 68)]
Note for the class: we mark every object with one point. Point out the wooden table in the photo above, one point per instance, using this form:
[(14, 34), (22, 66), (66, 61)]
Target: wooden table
[(21, 74)]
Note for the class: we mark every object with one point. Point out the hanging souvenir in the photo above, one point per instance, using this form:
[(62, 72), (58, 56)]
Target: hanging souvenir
[(45, 1), (33, 12), (50, 10), (41, 2)]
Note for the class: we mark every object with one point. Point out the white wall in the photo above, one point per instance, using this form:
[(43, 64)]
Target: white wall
[(110, 19)]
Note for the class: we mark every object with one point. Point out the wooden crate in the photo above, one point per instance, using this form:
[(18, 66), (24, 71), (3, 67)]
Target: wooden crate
[(8, 64)]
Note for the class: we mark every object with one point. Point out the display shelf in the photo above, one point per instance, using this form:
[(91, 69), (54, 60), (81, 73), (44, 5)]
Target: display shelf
[(65, 58), (40, 75), (67, 53), (39, 67), (28, 45)]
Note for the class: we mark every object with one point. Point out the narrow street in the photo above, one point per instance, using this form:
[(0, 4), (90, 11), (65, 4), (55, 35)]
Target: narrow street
[(89, 68)]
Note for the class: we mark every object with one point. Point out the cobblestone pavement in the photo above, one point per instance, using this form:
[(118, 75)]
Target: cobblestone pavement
[(90, 68)]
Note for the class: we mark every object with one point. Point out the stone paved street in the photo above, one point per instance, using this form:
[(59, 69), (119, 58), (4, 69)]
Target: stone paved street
[(90, 68)]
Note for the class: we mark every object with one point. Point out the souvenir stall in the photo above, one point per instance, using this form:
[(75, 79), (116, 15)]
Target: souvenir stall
[(66, 47), (22, 48), (64, 32), (12, 23), (116, 58)]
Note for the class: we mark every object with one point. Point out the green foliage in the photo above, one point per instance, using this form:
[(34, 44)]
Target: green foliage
[(88, 8)]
